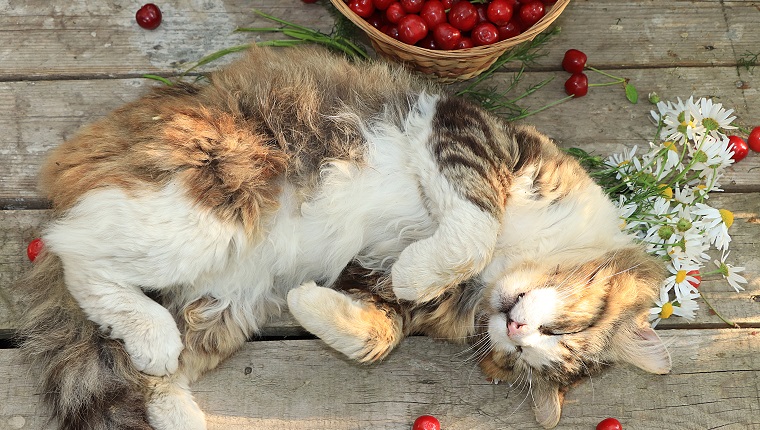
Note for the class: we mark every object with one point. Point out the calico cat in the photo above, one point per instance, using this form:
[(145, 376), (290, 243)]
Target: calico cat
[(182, 220)]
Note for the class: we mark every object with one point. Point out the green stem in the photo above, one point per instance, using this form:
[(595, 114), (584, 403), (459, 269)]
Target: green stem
[(729, 323)]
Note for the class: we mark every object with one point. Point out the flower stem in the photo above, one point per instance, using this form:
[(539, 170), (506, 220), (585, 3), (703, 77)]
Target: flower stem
[(730, 324)]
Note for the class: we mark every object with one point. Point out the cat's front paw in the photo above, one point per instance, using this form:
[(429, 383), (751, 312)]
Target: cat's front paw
[(155, 349), (415, 283), (172, 407)]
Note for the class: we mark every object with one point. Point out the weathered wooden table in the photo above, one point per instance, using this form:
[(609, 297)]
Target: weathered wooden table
[(64, 63)]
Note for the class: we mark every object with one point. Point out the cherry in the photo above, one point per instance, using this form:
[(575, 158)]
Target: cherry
[(574, 61), (531, 12), (394, 12), (433, 13), (382, 4), (33, 249), (148, 16), (412, 6), (577, 85), (363, 8), (428, 42), (446, 36), (739, 147), (609, 424), (463, 16), (465, 43), (391, 30), (511, 29), (499, 12), (696, 275), (482, 12), (377, 20), (753, 141), (412, 29), (484, 33), (426, 422)]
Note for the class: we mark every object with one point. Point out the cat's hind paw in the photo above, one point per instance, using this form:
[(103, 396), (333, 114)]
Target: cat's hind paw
[(355, 328), (172, 407)]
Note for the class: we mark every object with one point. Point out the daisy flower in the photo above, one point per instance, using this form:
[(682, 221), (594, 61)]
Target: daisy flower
[(678, 121), (715, 223), (681, 281), (731, 273), (712, 116), (665, 308), (711, 155)]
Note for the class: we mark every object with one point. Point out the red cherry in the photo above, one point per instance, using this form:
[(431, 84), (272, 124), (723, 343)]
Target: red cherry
[(753, 141), (412, 29), (433, 13), (577, 85), (363, 8), (696, 275), (395, 12), (510, 30), (448, 3), (739, 147), (532, 12), (446, 36), (382, 4), (426, 422), (484, 33), (465, 43), (428, 42), (391, 30), (33, 249), (609, 424), (148, 16), (412, 6), (482, 12), (574, 61), (463, 16), (499, 12), (377, 20)]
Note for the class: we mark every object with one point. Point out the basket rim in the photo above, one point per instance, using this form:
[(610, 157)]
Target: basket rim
[(454, 54)]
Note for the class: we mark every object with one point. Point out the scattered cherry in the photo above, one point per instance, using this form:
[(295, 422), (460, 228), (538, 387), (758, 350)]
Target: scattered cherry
[(577, 85), (148, 16), (574, 61), (609, 424), (33, 249), (753, 141), (426, 422), (696, 275), (739, 147)]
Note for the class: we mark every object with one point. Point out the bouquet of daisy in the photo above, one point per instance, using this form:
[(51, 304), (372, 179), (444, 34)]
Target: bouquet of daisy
[(663, 195)]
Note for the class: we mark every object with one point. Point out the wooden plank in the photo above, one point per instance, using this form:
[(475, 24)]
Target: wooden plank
[(17, 228), (43, 39), (37, 116), (288, 385)]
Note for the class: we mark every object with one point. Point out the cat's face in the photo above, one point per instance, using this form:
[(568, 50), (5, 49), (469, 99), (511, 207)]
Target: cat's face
[(553, 326)]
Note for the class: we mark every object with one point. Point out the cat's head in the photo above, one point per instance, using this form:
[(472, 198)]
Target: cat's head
[(549, 327)]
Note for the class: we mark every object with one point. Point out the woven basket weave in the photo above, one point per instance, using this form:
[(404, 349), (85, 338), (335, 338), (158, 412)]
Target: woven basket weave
[(448, 66)]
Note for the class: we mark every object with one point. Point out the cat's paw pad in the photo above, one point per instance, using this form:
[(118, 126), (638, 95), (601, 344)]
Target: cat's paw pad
[(173, 408), (155, 351)]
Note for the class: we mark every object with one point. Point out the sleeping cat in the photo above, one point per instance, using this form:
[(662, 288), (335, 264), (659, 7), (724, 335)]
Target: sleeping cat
[(182, 220)]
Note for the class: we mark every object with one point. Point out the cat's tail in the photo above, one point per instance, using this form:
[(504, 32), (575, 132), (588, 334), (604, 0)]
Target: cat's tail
[(86, 378)]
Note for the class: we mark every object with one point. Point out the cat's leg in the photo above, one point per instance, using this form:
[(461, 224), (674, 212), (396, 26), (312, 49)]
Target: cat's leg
[(149, 332), (363, 330), (211, 335), (461, 247)]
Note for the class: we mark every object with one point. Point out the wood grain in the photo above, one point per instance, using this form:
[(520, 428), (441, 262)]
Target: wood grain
[(288, 385)]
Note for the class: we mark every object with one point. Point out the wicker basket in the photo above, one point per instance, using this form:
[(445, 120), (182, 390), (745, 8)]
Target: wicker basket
[(448, 66)]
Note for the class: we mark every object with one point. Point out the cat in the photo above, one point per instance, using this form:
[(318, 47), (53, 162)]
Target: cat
[(181, 221)]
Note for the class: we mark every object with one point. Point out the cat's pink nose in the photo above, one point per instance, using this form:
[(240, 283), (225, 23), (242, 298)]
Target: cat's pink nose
[(514, 328)]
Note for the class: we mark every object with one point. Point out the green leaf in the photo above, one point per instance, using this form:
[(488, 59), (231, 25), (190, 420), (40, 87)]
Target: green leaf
[(631, 94), (158, 78)]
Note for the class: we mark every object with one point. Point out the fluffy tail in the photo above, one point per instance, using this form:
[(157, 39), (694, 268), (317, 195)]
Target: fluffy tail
[(86, 378)]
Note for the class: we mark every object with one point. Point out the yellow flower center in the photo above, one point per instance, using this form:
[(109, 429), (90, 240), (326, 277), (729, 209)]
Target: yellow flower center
[(667, 310), (670, 145), (701, 187), (680, 276), (728, 217), (624, 163), (666, 191)]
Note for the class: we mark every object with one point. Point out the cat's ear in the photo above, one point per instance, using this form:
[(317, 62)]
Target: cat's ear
[(547, 402), (644, 349)]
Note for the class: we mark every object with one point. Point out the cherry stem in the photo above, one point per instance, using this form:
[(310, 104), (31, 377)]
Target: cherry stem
[(617, 78), (729, 323), (543, 108)]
